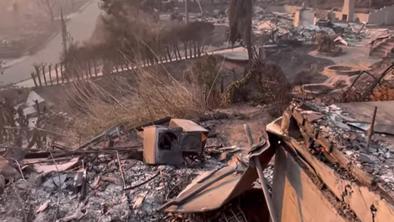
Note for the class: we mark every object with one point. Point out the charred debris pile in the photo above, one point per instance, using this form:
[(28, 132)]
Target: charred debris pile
[(133, 175), (315, 162), (330, 157)]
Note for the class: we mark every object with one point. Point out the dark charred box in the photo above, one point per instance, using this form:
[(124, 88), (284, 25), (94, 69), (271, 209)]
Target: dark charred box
[(193, 137), (161, 145), (166, 145)]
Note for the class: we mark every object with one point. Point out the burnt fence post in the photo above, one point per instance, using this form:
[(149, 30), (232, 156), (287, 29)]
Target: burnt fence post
[(37, 69), (50, 73), (57, 73), (43, 74), (33, 76)]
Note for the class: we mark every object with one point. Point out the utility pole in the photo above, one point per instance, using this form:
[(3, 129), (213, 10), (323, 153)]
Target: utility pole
[(64, 32), (240, 19), (186, 11)]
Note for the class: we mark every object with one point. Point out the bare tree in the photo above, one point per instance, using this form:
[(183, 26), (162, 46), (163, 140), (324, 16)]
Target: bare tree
[(48, 6), (240, 18)]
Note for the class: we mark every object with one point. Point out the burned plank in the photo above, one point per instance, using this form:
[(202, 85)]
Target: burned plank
[(333, 154), (343, 178), (359, 198)]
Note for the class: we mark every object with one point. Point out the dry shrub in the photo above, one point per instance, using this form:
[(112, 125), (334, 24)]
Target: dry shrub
[(149, 97), (263, 83), (204, 76)]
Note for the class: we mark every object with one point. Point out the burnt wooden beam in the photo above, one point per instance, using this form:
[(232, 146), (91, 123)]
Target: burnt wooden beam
[(360, 198), (354, 187), (329, 148)]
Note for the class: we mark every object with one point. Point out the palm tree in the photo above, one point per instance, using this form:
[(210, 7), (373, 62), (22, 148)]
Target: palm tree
[(240, 19)]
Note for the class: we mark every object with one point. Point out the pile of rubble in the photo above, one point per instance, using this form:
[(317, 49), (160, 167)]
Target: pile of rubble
[(97, 191), (351, 136), (177, 170), (282, 28), (345, 152), (120, 174)]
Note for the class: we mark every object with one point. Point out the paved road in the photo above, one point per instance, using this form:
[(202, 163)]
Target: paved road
[(80, 26)]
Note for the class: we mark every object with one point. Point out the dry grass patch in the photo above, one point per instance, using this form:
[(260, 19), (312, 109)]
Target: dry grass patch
[(148, 97)]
